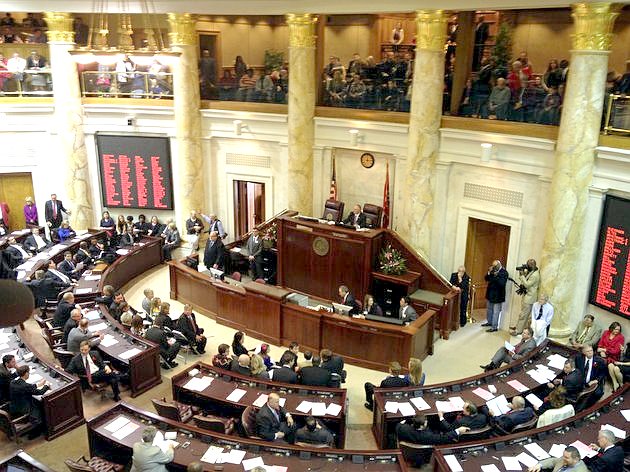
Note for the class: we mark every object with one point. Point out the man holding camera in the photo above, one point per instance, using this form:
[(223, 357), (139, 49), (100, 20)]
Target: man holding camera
[(529, 278), (497, 278)]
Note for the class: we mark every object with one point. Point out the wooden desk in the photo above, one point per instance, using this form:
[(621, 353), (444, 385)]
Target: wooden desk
[(583, 427), (295, 458), (214, 398), (62, 404), (23, 461), (383, 423)]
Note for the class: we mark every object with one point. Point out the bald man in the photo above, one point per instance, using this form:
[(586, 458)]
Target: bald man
[(273, 423)]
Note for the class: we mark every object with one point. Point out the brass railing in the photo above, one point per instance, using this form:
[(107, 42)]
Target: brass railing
[(29, 83), (126, 84), (617, 115)]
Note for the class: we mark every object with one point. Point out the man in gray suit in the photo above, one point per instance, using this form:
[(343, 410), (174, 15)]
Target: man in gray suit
[(503, 355), (150, 458), (569, 462), (254, 250), (587, 333), (82, 333), (406, 311)]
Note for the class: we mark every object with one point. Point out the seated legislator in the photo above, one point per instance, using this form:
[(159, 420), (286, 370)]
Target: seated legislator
[(570, 379), (416, 431), (172, 240), (346, 298), (107, 298), (91, 369), (285, 372), (315, 375), (554, 408), (518, 415), (7, 374), (257, 368), (148, 457), (393, 380), (334, 364), (44, 288), (273, 423), (63, 310), (356, 217), (22, 393), (69, 268), (214, 253), (415, 377), (611, 343), (314, 432), (265, 349), (502, 355), (594, 370), (586, 332), (35, 242), (17, 254), (470, 417), (52, 273), (73, 322), (222, 359), (293, 352), (240, 365), (254, 249), (94, 248), (609, 458), (570, 461), (65, 232), (187, 325), (126, 239), (406, 311), (169, 348), (370, 307), (81, 333), (83, 254)]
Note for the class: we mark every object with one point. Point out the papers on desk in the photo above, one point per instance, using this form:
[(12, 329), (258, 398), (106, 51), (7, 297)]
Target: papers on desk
[(82, 291), (534, 400), (125, 431), (538, 376), (97, 327), (391, 407), (446, 406), (626, 414), (318, 409), (516, 385), (585, 451), (93, 277), (453, 463), (262, 399), (557, 450), (117, 424), (235, 456), (212, 455), (556, 361), (92, 315), (483, 393), (236, 395), (547, 372), (537, 451), (249, 464), (198, 384), (236, 249), (420, 403), (108, 340), (333, 409), (163, 443), (34, 378), (511, 463), (130, 353), (526, 460), (122, 252), (619, 433), (499, 405), (406, 409), (489, 468)]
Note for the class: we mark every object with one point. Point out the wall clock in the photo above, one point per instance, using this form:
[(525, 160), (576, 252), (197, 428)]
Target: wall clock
[(367, 160)]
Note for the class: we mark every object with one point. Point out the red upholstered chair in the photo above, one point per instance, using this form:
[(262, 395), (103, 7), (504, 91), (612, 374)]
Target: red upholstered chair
[(174, 410), (333, 210), (248, 421), (95, 464), (373, 215)]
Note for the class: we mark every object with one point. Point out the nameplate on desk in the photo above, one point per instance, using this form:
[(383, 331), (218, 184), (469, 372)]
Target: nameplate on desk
[(339, 235), (303, 228)]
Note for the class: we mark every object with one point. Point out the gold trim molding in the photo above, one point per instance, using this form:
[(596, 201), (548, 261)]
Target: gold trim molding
[(59, 27), (431, 30), (301, 30), (593, 25), (182, 29)]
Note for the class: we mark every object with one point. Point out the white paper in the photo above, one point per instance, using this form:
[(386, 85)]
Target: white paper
[(518, 386), (499, 405), (97, 327), (333, 409), (557, 450), (122, 252), (125, 431), (249, 464), (406, 409), (537, 451), (4, 346), (556, 361), (304, 407), (81, 291), (212, 454), (34, 378), (534, 400), (537, 376), (282, 401), (391, 407), (130, 353), (235, 456), (490, 468), (453, 463), (483, 393), (585, 451), (619, 433), (108, 340), (198, 384), (420, 403), (262, 399), (193, 372), (117, 424), (511, 463), (457, 402), (626, 414), (92, 315), (236, 395), (170, 435), (445, 407), (526, 459), (93, 277), (318, 409), (509, 347)]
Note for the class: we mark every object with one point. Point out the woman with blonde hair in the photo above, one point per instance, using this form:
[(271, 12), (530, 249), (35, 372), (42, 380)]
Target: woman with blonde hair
[(415, 377), (258, 368)]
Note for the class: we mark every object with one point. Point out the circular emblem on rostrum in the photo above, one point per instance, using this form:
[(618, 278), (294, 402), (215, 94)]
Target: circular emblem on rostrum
[(320, 246)]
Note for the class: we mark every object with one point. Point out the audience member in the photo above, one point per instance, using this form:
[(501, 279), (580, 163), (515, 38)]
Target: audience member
[(30, 209), (155, 227), (16, 253), (586, 332), (273, 423), (171, 241), (253, 249), (460, 281), (214, 224), (293, 352), (169, 348), (307, 361), (83, 255), (499, 101), (50, 271), (503, 355), (194, 228), (148, 457), (314, 432), (91, 369), (620, 370), (44, 288), (497, 278), (529, 279), (541, 315), (393, 380), (187, 325), (416, 431), (610, 456), (146, 301), (415, 377), (222, 359), (265, 349), (137, 326), (334, 364), (126, 315), (611, 343)]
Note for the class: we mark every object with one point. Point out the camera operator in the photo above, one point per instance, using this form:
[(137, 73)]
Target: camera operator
[(529, 280), (497, 278)]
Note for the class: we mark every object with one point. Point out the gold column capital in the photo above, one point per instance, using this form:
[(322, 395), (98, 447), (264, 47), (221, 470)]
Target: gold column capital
[(182, 29), (593, 25), (301, 30), (431, 29), (60, 27)]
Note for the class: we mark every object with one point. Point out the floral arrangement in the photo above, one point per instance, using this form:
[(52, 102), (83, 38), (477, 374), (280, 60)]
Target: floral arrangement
[(270, 238), (391, 261)]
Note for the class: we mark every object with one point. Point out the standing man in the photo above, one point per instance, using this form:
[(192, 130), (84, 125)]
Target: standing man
[(215, 224), (529, 278), (406, 311), (481, 36), (460, 281), (348, 299), (194, 227), (254, 250), (542, 313), (52, 211), (207, 74), (214, 254), (497, 278)]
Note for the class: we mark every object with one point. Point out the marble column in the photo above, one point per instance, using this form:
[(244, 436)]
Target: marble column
[(189, 186), (417, 195), (578, 136), (74, 189), (301, 126)]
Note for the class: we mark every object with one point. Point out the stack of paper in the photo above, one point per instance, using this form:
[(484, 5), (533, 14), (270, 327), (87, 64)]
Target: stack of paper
[(483, 393), (446, 406), (81, 291), (162, 443), (537, 451), (212, 454), (108, 340), (420, 403), (534, 400), (557, 450), (303, 407), (526, 460), (453, 463), (489, 468), (236, 395), (318, 409), (34, 378), (92, 315), (556, 361), (499, 405), (130, 353), (538, 376), (518, 386), (117, 424), (333, 409), (125, 431), (511, 463), (619, 433), (391, 407), (234, 456), (262, 399), (546, 371), (93, 277), (406, 409), (198, 384), (585, 451), (249, 464)]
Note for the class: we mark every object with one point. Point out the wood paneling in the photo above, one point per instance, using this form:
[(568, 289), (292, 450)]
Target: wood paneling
[(14, 188)]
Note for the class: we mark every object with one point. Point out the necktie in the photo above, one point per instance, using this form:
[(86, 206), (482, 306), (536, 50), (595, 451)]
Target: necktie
[(193, 324), (540, 313), (54, 209), (583, 335), (88, 371), (587, 365)]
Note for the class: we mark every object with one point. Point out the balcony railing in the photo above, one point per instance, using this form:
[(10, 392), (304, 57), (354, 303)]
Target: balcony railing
[(28, 83), (618, 115), (126, 84)]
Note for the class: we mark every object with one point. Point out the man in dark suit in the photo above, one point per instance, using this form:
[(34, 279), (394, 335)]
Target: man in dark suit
[(108, 296), (141, 227), (470, 417), (610, 457), (518, 415), (497, 278), (356, 217), (571, 379), (91, 369), (502, 355), (187, 325), (273, 423), (482, 31), (17, 254), (35, 242), (285, 372), (44, 288), (168, 346), (393, 380), (346, 298), (62, 313), (460, 281), (22, 392), (315, 375), (7, 374), (240, 365), (406, 311), (83, 254), (254, 253), (53, 273), (126, 239), (334, 364), (313, 432), (214, 254), (417, 432), (52, 211), (73, 322), (68, 267), (594, 370)]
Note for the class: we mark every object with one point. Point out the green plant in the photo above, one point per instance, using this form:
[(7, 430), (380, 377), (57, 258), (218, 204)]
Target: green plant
[(503, 45), (391, 261), (273, 59)]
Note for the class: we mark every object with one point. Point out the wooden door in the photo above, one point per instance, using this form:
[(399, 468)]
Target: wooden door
[(485, 242), (249, 205), (14, 188)]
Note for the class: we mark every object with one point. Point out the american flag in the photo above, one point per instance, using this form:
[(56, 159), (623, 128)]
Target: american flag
[(386, 198), (333, 181)]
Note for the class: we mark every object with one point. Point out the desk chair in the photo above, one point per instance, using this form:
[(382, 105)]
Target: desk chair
[(373, 215), (94, 464), (174, 410), (476, 434), (518, 428), (333, 210), (582, 399), (63, 356), (215, 423), (248, 421), (416, 455), (14, 428), (315, 446)]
